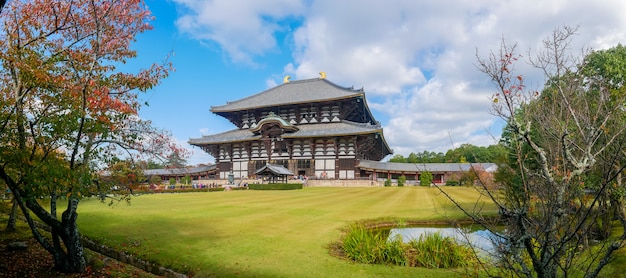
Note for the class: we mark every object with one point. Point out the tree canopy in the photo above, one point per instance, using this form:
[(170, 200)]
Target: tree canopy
[(465, 153)]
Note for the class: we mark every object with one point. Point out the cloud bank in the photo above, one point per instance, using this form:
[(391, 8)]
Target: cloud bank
[(415, 59)]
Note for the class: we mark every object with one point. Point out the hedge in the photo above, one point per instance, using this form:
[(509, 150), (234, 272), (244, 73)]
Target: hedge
[(182, 190), (275, 186)]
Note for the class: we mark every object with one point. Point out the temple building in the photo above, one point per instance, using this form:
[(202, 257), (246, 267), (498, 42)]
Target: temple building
[(312, 127)]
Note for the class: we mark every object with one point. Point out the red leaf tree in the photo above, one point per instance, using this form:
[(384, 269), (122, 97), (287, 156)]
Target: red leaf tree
[(67, 108)]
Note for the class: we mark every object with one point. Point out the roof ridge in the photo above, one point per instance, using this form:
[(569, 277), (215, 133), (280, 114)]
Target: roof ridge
[(290, 83)]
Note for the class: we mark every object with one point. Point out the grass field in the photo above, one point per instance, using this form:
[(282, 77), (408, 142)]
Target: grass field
[(262, 233)]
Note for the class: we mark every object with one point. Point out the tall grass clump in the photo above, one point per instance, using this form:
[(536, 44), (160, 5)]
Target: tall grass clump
[(437, 251), (365, 245)]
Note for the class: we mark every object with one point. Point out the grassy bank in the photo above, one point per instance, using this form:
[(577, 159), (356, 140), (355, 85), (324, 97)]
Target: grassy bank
[(262, 233)]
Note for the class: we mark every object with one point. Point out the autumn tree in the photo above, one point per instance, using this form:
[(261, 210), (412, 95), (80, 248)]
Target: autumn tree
[(566, 151), (67, 109), (124, 175)]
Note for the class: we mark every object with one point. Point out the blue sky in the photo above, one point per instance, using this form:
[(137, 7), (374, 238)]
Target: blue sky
[(415, 59)]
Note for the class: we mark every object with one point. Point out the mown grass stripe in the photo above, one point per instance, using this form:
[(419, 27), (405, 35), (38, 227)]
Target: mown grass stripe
[(258, 233)]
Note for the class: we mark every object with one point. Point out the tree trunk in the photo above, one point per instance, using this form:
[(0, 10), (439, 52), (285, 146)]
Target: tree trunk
[(12, 216), (74, 260), (69, 257)]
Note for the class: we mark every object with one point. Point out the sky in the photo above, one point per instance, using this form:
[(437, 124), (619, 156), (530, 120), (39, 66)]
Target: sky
[(415, 59)]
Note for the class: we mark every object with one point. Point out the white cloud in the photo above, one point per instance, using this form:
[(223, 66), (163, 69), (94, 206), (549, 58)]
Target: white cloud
[(415, 59), (241, 28), (204, 131)]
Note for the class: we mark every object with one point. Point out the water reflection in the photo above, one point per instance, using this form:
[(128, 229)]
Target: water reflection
[(479, 239)]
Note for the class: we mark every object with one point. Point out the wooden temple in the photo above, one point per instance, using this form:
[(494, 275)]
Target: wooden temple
[(311, 127)]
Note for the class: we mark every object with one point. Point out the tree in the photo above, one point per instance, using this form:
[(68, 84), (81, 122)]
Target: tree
[(68, 109), (124, 175), (397, 158), (174, 160), (155, 180), (11, 222), (150, 164), (563, 158)]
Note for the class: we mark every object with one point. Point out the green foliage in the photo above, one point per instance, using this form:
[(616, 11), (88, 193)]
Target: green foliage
[(186, 180), (172, 181), (275, 186), (151, 164), (426, 178), (466, 153), (401, 180), (155, 180), (183, 190), (388, 182), (176, 160), (397, 158), (125, 173), (437, 251), (609, 66), (452, 183), (363, 245)]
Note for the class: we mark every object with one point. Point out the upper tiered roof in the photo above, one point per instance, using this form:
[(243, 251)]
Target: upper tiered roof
[(304, 131), (291, 92)]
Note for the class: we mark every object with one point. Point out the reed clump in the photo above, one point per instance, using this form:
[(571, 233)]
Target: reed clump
[(370, 246)]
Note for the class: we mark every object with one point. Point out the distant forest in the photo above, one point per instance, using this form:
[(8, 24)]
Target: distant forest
[(466, 153)]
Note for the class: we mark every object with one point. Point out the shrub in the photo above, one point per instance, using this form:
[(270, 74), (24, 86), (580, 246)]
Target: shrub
[(275, 186), (452, 183), (401, 180), (426, 178), (172, 181), (388, 182)]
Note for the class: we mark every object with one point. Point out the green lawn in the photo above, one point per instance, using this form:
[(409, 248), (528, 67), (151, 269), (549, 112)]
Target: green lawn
[(262, 233)]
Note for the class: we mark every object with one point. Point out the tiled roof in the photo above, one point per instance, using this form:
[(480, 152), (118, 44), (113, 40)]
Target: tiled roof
[(293, 92), (306, 130), (275, 169), (422, 167), (178, 171)]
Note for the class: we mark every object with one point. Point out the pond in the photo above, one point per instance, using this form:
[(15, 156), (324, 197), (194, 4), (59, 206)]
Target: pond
[(480, 239)]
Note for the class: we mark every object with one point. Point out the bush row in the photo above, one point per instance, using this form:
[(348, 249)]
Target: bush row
[(275, 186), (183, 190)]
